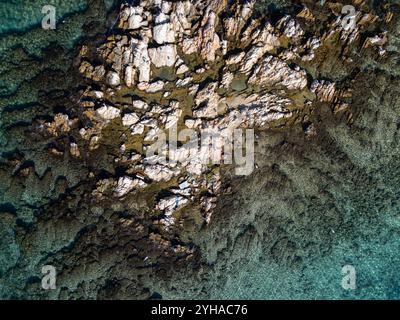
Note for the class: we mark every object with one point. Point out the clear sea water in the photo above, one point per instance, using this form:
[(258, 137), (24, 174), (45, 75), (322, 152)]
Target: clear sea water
[(375, 254)]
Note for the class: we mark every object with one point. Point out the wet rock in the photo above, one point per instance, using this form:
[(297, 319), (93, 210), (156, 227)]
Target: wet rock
[(207, 101), (142, 60), (155, 86), (182, 69), (127, 184), (139, 104), (113, 79), (164, 56), (171, 204), (74, 150), (108, 112), (159, 172), (273, 72), (163, 30), (130, 119)]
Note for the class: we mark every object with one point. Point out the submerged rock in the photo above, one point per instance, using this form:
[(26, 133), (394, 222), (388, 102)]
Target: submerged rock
[(116, 169)]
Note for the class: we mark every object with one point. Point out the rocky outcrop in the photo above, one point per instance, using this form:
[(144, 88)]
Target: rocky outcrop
[(211, 66), (257, 82)]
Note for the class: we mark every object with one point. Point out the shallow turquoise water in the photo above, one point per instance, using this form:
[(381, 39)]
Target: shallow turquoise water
[(21, 15)]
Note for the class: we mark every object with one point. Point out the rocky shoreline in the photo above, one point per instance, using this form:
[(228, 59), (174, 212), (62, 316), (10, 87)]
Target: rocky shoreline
[(121, 227)]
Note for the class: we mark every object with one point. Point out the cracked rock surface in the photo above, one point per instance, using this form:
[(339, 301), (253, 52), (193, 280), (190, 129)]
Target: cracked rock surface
[(82, 192)]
